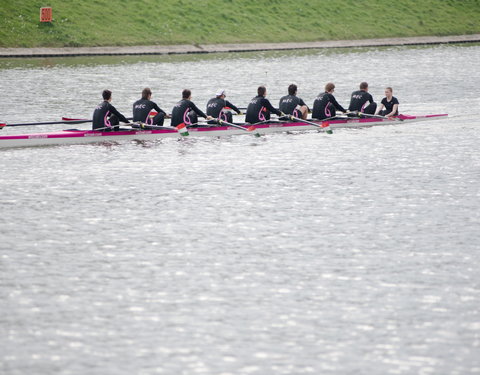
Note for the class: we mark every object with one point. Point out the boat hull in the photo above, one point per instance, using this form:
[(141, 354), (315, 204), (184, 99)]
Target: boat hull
[(67, 137)]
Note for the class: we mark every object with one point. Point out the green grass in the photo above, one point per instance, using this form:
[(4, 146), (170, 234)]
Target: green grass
[(148, 22)]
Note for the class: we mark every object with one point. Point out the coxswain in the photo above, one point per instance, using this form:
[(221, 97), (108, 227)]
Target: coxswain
[(186, 112), (143, 107), (106, 115), (259, 108), (359, 100), (218, 107), (390, 103), (291, 104), (325, 105)]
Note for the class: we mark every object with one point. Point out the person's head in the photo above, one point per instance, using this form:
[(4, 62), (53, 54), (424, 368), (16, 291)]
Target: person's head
[(146, 93), (221, 94), (107, 95), (329, 87), (388, 91), (364, 86), (186, 94), (292, 89), (262, 91)]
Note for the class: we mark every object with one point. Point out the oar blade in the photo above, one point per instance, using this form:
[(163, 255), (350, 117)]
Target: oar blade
[(74, 119), (326, 126), (182, 129)]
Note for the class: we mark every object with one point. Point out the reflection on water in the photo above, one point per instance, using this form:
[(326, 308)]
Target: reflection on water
[(355, 253)]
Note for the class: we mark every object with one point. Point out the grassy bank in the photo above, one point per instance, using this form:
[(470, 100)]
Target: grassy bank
[(147, 22)]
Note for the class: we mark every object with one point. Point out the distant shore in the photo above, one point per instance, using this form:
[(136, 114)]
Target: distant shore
[(241, 47)]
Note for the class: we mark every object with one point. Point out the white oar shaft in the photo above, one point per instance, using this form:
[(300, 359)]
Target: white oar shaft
[(249, 129), (112, 127), (322, 126), (379, 116)]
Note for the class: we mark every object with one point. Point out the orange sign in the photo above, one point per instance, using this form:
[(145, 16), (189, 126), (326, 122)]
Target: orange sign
[(45, 14)]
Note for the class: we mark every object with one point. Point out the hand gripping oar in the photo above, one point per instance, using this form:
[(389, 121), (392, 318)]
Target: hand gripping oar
[(324, 126)]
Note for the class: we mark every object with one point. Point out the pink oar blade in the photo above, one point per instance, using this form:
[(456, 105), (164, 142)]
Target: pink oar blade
[(74, 119)]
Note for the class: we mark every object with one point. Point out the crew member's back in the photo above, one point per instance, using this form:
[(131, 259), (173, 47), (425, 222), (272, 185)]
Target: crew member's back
[(186, 112), (259, 108), (218, 107), (105, 115), (291, 104), (325, 105), (143, 107), (359, 100)]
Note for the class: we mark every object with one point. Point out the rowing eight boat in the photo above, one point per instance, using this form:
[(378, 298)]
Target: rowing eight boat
[(89, 136)]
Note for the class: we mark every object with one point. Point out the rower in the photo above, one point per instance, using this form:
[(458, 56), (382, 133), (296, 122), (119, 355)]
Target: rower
[(106, 115), (186, 112), (390, 103), (291, 104), (143, 107), (359, 99), (217, 107), (325, 105), (259, 108)]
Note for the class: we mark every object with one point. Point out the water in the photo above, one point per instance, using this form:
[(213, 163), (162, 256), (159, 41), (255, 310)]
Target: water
[(354, 253)]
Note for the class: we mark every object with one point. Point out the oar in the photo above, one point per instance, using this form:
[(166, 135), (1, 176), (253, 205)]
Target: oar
[(378, 116), (65, 120), (142, 125), (249, 129), (324, 126), (73, 120), (48, 123), (270, 121), (113, 126)]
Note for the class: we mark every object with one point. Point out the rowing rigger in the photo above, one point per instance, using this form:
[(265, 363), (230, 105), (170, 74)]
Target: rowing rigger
[(90, 136)]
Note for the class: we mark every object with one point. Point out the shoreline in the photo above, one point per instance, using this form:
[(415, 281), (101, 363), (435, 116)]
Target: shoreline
[(225, 48)]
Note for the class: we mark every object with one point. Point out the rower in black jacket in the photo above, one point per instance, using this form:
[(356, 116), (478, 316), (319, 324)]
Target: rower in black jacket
[(325, 105), (291, 104), (359, 100), (143, 107), (217, 107), (186, 112), (106, 115), (259, 108)]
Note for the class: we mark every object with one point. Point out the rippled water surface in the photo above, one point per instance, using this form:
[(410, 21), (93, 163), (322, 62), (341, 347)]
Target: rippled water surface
[(351, 253)]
